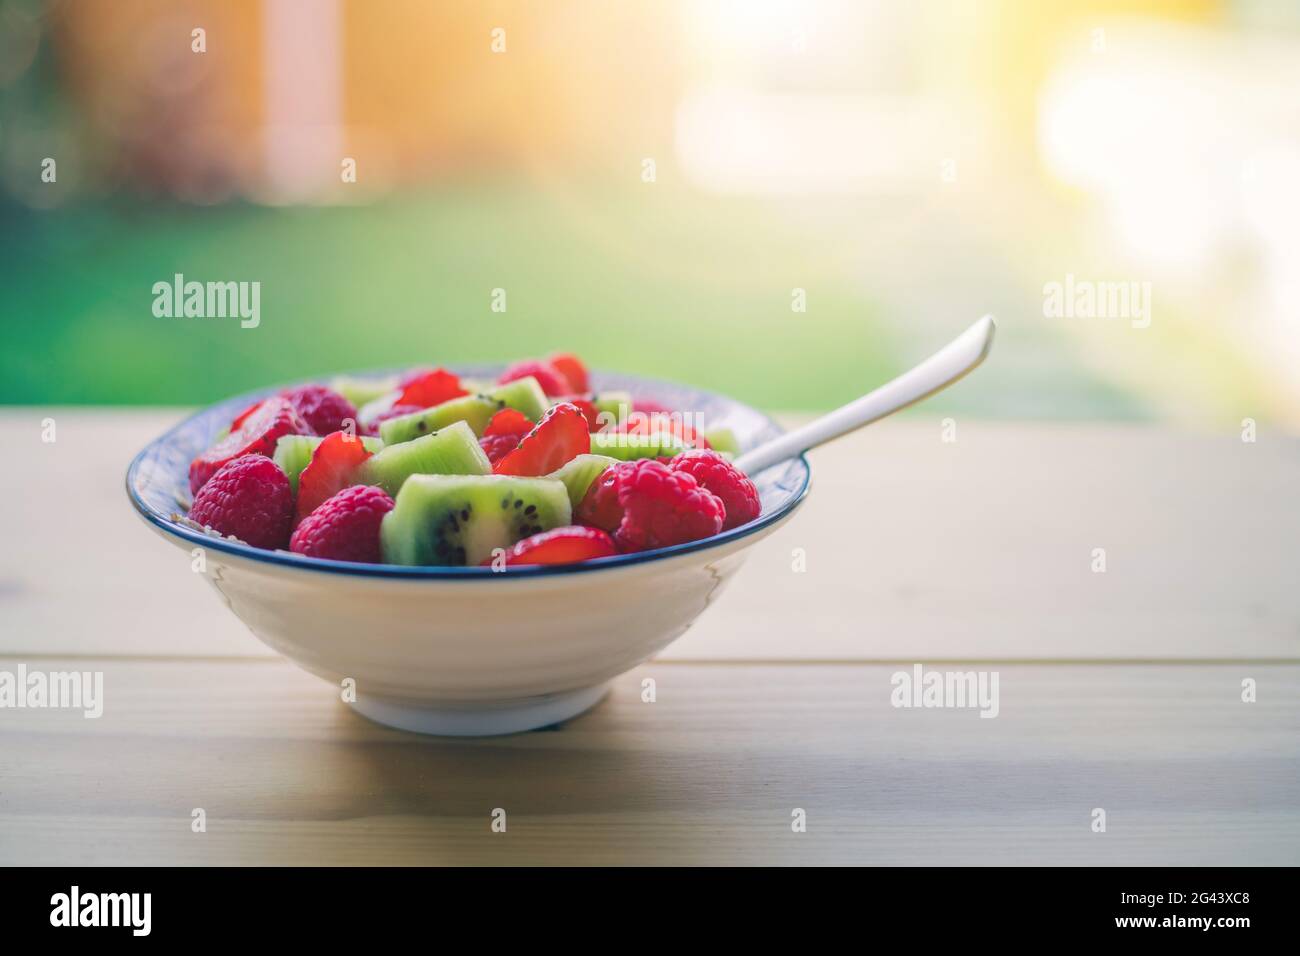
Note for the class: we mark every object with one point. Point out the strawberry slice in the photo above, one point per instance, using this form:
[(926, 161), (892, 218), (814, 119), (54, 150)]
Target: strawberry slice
[(559, 437), (508, 421), (257, 434), (243, 416), (571, 367), (431, 388), (588, 409), (332, 468), (503, 433), (560, 546)]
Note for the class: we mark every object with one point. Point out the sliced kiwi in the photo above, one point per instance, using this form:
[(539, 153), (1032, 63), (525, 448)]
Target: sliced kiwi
[(722, 440), (453, 451), (367, 413), (626, 447), (476, 410), (612, 408), (293, 453), (580, 472), (524, 394), (449, 519), (363, 391)]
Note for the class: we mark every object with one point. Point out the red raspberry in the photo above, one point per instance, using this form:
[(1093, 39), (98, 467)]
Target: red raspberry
[(548, 376), (714, 472), (655, 506), (497, 447), (248, 498), (256, 435), (323, 409), (345, 527), (599, 507)]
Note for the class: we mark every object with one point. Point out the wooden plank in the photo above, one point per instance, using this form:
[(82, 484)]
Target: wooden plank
[(708, 773), (916, 549)]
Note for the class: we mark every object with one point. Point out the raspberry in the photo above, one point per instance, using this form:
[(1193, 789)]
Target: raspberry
[(552, 380), (323, 409), (710, 470), (654, 505), (257, 434), (599, 507), (345, 527), (497, 447), (248, 498)]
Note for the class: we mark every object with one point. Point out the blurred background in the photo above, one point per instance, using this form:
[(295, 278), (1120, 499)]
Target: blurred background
[(658, 186)]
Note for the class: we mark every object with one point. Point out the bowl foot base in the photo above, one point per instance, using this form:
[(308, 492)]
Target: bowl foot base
[(466, 719)]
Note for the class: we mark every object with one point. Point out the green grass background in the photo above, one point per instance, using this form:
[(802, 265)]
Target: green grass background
[(642, 280)]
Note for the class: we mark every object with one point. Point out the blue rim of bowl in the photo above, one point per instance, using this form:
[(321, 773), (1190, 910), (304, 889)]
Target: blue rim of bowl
[(437, 572)]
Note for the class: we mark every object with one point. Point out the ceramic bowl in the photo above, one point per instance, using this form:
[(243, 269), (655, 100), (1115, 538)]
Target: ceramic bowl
[(468, 651)]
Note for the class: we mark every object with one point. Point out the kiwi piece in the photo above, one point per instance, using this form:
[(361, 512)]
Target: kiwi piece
[(453, 451), (579, 473), (626, 447), (367, 413), (525, 395), (615, 407), (476, 410), (293, 453), (363, 391), (723, 441), (461, 519)]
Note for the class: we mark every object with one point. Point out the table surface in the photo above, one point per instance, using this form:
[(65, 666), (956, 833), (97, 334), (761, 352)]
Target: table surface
[(1119, 691)]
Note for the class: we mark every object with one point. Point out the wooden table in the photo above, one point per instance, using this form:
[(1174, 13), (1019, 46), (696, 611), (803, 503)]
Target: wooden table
[(1119, 690)]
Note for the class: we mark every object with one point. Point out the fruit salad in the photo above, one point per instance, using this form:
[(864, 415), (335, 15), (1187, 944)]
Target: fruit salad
[(428, 468)]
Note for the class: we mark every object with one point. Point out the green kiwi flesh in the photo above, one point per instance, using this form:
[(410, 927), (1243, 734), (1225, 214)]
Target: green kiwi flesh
[(476, 410), (580, 472), (363, 391), (626, 447), (460, 520), (722, 440), (612, 408), (453, 451)]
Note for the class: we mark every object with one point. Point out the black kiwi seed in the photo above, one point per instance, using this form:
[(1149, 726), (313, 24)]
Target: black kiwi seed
[(421, 425), (519, 503), (464, 514), (531, 510), (505, 502)]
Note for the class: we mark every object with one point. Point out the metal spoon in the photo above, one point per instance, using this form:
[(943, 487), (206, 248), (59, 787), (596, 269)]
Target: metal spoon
[(933, 375)]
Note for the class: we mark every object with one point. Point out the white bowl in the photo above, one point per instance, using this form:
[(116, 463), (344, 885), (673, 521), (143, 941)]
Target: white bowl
[(468, 651)]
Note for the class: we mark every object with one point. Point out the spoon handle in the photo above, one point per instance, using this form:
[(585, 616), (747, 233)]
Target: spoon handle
[(934, 374)]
